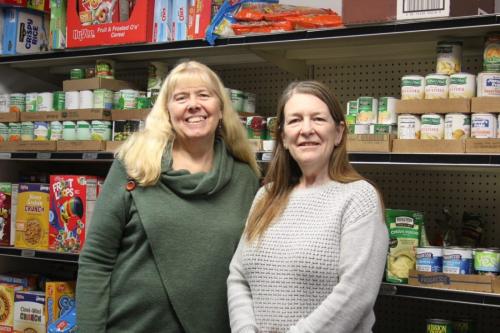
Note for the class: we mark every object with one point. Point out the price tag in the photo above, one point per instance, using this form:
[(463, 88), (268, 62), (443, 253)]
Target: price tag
[(43, 156), (5, 156), (28, 253), (266, 157), (89, 156), (388, 290)]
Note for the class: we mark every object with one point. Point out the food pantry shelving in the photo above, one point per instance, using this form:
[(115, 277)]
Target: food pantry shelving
[(354, 61)]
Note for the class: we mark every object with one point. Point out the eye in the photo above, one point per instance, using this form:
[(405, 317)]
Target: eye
[(179, 98), (292, 121), (319, 119)]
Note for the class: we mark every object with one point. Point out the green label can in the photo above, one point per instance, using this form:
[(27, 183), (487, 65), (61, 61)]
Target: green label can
[(14, 131), (31, 102), (27, 128), (69, 130), (77, 73), (4, 132), (143, 102), (128, 99), (17, 102), (100, 130), (103, 99), (82, 130), (439, 326), (59, 101), (56, 131)]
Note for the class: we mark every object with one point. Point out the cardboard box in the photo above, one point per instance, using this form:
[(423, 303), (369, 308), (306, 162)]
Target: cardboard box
[(485, 104), (112, 146), (131, 114), (36, 146), (10, 117), (387, 10), (80, 145), (161, 29), (41, 116), (200, 14), (41, 5), (369, 142), (179, 19), (96, 83), (57, 39), (86, 114), (471, 282), (137, 29), (428, 146), (5, 212), (59, 299), (422, 106), (9, 146), (29, 314), (7, 292), (482, 145)]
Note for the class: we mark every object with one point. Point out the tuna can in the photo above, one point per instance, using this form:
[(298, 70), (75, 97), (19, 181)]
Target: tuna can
[(463, 325), (100, 130), (429, 259), (86, 99), (56, 131), (17, 102), (387, 110), (449, 57), (432, 126), (491, 54), (41, 131), (58, 101), (487, 261), (27, 128), (457, 260), (412, 87), (483, 126), (72, 100), (456, 126), (103, 99), (367, 110), (249, 102), (69, 130), (237, 99), (436, 86), (361, 128), (4, 102), (4, 132), (408, 126), (462, 85), (76, 74), (128, 99), (14, 132), (82, 130), (31, 102), (45, 101), (439, 326), (352, 108), (488, 84)]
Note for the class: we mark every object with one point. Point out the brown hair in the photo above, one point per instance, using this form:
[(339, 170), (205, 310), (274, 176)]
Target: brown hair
[(284, 173)]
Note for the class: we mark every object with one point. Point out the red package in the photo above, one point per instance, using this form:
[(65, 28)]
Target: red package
[(98, 11), (315, 21), (243, 28)]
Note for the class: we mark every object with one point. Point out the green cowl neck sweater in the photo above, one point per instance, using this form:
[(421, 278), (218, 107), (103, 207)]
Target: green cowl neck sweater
[(193, 223)]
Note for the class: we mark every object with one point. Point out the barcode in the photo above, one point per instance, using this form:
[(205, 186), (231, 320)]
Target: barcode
[(410, 6)]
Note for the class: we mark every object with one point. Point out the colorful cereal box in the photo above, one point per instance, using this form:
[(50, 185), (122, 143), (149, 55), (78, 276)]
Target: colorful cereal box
[(32, 218), (65, 324), (5, 213), (59, 299), (7, 292), (29, 312), (72, 203), (13, 213), (27, 281)]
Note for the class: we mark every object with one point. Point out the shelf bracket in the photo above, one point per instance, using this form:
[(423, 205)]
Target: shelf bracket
[(296, 67)]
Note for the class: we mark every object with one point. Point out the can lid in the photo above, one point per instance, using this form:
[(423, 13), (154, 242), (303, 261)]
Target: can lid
[(438, 321)]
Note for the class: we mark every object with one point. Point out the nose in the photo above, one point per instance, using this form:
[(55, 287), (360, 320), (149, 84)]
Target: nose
[(306, 128), (193, 103)]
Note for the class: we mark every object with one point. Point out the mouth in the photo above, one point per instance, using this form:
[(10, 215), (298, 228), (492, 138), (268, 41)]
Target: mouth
[(308, 144), (195, 119)]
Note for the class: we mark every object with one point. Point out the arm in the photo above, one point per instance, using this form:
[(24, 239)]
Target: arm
[(99, 253), (240, 301), (363, 252)]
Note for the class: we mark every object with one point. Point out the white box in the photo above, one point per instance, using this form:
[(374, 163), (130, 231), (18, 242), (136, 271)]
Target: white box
[(24, 31), (418, 9)]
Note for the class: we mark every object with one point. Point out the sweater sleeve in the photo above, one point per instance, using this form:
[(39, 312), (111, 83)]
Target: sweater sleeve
[(363, 249), (101, 248)]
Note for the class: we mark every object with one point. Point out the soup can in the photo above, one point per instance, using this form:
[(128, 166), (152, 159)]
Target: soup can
[(449, 57), (432, 126), (367, 110), (429, 259), (56, 131), (14, 132), (31, 102), (27, 128), (462, 85), (100, 130), (17, 102), (387, 111), (69, 130), (408, 126), (483, 126), (41, 131), (46, 101), (456, 126), (436, 86), (82, 130), (457, 260), (412, 87)]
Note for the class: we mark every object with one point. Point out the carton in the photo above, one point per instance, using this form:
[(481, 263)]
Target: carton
[(75, 145), (27, 281), (41, 5), (57, 39), (72, 201), (96, 83), (423, 106), (9, 117), (484, 146), (86, 114), (14, 198), (59, 299), (200, 14), (112, 146), (32, 217), (179, 19), (5, 212), (29, 312), (36, 146), (428, 146), (41, 116), (369, 142), (7, 292), (485, 104), (161, 29), (470, 282), (131, 114)]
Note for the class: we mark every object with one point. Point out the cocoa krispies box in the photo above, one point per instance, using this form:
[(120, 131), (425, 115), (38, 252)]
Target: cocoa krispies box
[(72, 200)]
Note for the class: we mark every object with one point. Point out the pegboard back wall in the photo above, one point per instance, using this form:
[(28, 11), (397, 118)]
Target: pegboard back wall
[(430, 190)]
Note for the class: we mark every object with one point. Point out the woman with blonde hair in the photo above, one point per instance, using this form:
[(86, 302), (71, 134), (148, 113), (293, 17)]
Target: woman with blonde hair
[(313, 251), (170, 215)]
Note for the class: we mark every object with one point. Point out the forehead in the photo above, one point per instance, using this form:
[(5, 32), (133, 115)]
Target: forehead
[(192, 79), (305, 103)]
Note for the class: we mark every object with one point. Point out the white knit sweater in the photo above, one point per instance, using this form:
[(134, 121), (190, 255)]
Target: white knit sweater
[(316, 269)]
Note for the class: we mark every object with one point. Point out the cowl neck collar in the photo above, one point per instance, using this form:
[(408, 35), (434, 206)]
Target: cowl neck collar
[(187, 184)]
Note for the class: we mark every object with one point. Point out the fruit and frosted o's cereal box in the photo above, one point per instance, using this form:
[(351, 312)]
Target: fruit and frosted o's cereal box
[(29, 312), (7, 292), (59, 299), (72, 201), (5, 213)]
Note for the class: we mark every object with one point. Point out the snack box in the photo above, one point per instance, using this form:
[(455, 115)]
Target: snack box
[(59, 299), (57, 24), (7, 292), (65, 324), (5, 212), (29, 312), (161, 29)]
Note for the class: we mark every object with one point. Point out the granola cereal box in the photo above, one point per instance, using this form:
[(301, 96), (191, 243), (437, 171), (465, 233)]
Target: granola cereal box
[(29, 312), (72, 203), (32, 218), (5, 213), (59, 299), (7, 292)]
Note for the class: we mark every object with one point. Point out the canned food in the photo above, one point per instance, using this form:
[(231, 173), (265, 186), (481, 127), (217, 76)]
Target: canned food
[(4, 102), (31, 102), (350, 119), (17, 102), (491, 54), (387, 110), (86, 99), (462, 85), (89, 72), (488, 84), (456, 126), (457, 260), (383, 129), (439, 326), (56, 131), (367, 110), (103, 99), (352, 108), (128, 99), (483, 126), (41, 131), (463, 325), (487, 261), (361, 128), (271, 124), (429, 259), (105, 68), (122, 129), (58, 101), (82, 130), (27, 128), (4, 132), (76, 74), (100, 130), (408, 126), (436, 86), (432, 126), (14, 132), (256, 127), (249, 103), (69, 130), (412, 87), (45, 101), (237, 99), (449, 57), (145, 103), (72, 100)]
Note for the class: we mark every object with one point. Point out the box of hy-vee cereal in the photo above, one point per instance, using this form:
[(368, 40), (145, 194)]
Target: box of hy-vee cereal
[(5, 213), (72, 200)]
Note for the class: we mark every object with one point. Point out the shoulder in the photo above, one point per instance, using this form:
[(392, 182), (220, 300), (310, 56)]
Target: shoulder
[(361, 189), (362, 199)]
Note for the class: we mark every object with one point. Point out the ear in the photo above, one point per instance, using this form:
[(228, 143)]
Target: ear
[(339, 129)]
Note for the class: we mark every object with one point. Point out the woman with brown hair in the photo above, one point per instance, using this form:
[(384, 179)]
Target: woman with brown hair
[(312, 255)]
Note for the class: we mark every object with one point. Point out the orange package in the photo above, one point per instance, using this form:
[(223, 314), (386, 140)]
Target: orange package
[(261, 27), (315, 21)]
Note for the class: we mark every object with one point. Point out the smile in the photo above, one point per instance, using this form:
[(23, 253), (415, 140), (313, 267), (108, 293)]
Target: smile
[(195, 119), (305, 144)]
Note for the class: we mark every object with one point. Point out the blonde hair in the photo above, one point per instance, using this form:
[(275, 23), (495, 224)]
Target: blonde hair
[(284, 173), (142, 152)]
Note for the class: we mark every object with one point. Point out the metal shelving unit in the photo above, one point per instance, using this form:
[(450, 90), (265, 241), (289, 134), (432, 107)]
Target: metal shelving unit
[(39, 255)]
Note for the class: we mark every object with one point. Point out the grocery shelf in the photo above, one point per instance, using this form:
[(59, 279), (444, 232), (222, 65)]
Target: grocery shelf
[(58, 156), (37, 254), (436, 294)]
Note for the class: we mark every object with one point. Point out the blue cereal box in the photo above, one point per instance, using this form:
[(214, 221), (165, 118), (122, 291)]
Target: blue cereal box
[(29, 312), (179, 19), (24, 31), (162, 16)]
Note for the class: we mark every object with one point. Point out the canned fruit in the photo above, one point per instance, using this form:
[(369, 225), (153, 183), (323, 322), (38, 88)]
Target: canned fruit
[(449, 57), (367, 110), (462, 85), (408, 126), (387, 110), (412, 87), (432, 127), (456, 126), (436, 86)]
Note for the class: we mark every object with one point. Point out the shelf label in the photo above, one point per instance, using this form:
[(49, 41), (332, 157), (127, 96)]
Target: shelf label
[(266, 157), (89, 156), (5, 155), (28, 253), (43, 156), (388, 290)]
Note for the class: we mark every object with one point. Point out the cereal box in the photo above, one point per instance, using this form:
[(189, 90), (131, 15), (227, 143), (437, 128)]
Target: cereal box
[(5, 213), (59, 299), (27, 281), (72, 203), (98, 11), (7, 292), (29, 312), (65, 324), (13, 212), (32, 218)]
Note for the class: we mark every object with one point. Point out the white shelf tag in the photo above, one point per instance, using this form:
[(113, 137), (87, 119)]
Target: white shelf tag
[(89, 156), (28, 253), (5, 156), (43, 156)]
